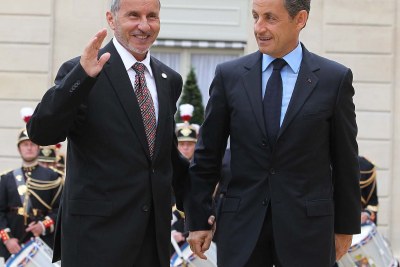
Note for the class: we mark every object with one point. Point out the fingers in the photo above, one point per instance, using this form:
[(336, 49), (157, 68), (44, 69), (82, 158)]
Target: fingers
[(342, 244), (211, 220), (94, 45), (200, 242), (12, 246), (30, 227), (103, 59), (99, 38), (14, 249), (197, 249), (207, 243), (89, 61)]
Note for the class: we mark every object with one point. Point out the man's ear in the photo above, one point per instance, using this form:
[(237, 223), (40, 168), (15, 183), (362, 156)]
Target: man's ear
[(110, 19), (301, 19)]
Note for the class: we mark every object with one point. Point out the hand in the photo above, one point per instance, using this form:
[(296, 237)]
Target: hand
[(200, 241), (89, 61), (342, 244), (35, 228), (12, 245), (178, 236), (364, 217)]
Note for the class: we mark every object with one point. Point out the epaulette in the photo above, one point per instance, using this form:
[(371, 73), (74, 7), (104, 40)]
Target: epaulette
[(372, 170), (370, 179), (4, 172)]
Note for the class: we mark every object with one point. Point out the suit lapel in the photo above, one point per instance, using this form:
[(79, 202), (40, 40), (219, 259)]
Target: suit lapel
[(305, 84), (119, 79), (163, 98), (252, 85)]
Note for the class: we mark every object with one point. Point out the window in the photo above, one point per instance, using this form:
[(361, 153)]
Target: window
[(203, 60)]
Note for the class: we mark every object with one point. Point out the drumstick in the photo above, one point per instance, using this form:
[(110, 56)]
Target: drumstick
[(179, 252)]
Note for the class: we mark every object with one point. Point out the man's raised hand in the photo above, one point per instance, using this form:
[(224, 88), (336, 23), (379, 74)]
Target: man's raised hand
[(89, 61)]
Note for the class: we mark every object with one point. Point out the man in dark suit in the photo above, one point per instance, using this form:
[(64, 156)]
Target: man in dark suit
[(116, 107), (294, 196)]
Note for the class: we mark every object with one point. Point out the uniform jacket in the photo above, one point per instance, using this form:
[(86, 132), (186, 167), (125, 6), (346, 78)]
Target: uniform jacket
[(10, 200), (112, 184), (368, 185), (309, 179)]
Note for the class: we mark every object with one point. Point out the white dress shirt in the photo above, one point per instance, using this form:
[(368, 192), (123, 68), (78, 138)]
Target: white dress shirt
[(129, 60)]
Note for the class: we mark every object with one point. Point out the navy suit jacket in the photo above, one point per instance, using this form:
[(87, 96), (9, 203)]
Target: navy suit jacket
[(112, 184), (309, 178)]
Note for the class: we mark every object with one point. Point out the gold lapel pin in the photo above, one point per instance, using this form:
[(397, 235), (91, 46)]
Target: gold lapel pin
[(164, 75)]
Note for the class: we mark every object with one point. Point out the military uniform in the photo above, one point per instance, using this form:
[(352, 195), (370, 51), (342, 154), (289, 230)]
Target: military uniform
[(28, 194), (185, 132), (178, 225), (369, 196)]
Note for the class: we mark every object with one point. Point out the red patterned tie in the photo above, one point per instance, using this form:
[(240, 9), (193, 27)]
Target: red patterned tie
[(146, 105)]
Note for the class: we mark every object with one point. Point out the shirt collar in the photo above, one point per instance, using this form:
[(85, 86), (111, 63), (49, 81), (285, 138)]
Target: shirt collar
[(293, 59), (129, 60)]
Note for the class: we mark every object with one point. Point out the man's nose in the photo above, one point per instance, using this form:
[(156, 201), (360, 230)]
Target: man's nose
[(144, 25), (259, 26)]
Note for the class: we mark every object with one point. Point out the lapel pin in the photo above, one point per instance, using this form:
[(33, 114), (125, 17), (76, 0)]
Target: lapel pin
[(309, 80), (164, 75)]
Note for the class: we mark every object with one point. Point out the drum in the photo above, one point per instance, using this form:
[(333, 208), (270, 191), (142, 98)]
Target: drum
[(190, 260), (34, 253), (368, 249)]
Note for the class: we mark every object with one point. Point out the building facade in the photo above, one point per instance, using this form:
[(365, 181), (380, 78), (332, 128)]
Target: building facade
[(37, 36)]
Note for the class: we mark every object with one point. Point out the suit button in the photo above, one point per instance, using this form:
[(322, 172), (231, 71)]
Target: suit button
[(272, 171), (153, 170), (145, 208), (264, 143), (74, 86)]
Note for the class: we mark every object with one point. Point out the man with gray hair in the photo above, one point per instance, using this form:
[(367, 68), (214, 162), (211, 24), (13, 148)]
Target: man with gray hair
[(116, 107), (294, 197)]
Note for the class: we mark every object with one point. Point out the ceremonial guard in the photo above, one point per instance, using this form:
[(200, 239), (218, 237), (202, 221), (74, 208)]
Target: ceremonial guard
[(369, 196), (29, 199), (187, 137), (186, 132)]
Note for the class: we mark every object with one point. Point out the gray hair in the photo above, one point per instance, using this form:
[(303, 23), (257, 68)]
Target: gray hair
[(295, 6), (116, 4)]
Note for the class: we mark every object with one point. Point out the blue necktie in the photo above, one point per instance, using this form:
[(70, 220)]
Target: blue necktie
[(272, 101)]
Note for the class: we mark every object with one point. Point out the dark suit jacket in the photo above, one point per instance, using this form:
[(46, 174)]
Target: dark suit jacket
[(112, 185), (310, 178)]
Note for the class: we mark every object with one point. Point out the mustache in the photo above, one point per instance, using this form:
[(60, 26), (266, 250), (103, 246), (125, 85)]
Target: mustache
[(139, 32)]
